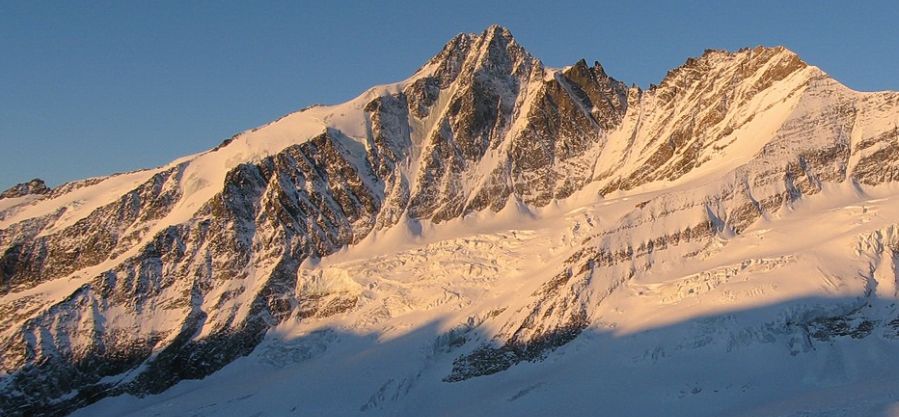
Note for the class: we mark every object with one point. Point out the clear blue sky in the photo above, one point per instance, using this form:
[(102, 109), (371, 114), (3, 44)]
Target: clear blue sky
[(90, 88)]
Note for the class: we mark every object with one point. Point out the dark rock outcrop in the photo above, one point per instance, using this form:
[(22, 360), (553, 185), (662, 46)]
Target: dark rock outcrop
[(35, 186)]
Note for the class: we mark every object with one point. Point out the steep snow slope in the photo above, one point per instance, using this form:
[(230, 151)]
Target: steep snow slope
[(488, 235), (790, 318)]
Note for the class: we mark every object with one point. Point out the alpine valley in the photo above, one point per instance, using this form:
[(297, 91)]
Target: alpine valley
[(488, 237)]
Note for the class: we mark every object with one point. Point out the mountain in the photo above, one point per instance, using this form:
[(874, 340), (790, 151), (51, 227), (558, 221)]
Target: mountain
[(489, 236)]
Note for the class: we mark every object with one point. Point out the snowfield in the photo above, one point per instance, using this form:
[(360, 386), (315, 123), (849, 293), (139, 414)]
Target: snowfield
[(489, 237), (707, 337)]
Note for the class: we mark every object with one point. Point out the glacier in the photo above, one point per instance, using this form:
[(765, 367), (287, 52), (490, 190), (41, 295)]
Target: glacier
[(487, 237)]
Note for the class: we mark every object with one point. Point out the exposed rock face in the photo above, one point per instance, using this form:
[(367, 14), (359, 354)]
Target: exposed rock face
[(35, 186), (153, 284), (29, 259)]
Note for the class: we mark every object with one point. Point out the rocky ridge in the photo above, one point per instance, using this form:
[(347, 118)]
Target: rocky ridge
[(131, 283)]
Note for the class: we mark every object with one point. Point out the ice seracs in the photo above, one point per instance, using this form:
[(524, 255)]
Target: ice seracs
[(487, 236)]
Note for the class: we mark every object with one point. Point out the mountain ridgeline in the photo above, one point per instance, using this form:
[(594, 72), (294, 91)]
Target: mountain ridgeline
[(131, 283)]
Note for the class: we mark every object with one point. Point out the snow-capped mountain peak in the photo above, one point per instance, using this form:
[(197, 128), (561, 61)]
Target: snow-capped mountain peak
[(488, 229)]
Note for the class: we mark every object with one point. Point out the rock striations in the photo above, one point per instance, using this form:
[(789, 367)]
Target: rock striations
[(130, 283)]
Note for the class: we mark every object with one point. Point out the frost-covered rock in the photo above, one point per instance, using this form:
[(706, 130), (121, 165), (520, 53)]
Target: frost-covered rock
[(35, 186), (480, 218)]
